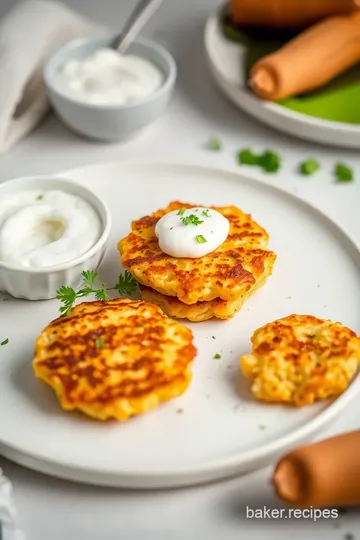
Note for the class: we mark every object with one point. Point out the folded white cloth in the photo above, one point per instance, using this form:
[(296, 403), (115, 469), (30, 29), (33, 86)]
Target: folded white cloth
[(29, 33), (8, 530)]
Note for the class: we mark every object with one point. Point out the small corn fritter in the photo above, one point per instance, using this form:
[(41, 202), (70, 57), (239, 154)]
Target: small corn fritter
[(301, 359), (114, 359), (227, 273)]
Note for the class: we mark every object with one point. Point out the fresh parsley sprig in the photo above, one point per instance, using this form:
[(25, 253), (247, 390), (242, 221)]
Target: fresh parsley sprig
[(126, 285)]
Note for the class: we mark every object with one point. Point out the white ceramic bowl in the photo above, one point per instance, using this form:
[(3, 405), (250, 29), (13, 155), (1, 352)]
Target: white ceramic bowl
[(42, 283), (109, 122)]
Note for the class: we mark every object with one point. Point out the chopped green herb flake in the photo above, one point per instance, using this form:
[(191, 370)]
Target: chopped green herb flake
[(200, 239), (214, 144), (262, 427), (206, 213), (5, 342), (217, 356), (99, 343), (180, 411), (343, 173), (308, 167), (213, 337), (269, 161), (191, 220), (181, 212), (39, 197), (247, 157)]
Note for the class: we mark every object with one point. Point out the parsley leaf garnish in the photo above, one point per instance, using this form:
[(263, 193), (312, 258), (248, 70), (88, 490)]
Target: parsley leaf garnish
[(343, 173), (191, 220), (217, 356), (308, 167), (67, 297), (89, 278), (206, 212), (101, 294), (215, 144), (5, 342), (126, 285), (247, 157), (99, 343), (181, 212)]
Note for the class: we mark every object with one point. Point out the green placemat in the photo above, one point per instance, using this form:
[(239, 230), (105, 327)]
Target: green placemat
[(338, 101)]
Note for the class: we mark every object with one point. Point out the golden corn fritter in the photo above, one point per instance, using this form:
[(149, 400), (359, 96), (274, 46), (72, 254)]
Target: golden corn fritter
[(301, 359), (114, 359), (227, 273), (201, 311)]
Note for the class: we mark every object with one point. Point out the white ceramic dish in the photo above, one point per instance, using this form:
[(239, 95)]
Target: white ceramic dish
[(219, 433), (110, 122), (226, 62), (42, 283)]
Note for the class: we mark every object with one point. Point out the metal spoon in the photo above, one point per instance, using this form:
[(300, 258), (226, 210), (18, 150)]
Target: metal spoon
[(142, 13)]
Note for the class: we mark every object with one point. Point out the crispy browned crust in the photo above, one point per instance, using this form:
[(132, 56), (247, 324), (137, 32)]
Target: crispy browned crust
[(200, 311), (227, 273), (144, 358)]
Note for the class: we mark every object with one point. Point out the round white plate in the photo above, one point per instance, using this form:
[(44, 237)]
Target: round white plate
[(222, 430), (226, 62)]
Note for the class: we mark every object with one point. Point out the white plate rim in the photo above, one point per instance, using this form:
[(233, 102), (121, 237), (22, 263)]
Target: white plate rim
[(282, 119), (213, 469)]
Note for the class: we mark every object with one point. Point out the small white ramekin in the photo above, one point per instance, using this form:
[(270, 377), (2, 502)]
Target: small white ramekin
[(42, 283), (109, 122)]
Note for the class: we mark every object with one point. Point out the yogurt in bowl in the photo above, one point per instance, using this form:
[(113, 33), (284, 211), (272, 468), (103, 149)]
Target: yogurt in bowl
[(50, 231), (103, 95), (107, 77)]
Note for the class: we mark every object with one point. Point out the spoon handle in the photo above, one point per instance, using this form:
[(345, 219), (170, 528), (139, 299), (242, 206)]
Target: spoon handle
[(142, 13)]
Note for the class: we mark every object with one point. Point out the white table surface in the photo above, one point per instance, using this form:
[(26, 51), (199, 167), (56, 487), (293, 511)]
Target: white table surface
[(51, 509)]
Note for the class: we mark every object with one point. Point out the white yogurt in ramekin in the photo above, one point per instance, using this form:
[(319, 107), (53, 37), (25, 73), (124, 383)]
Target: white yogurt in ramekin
[(51, 230), (46, 228), (107, 77)]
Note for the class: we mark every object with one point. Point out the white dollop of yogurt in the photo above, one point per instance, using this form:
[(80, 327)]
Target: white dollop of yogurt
[(44, 229), (191, 233), (109, 78)]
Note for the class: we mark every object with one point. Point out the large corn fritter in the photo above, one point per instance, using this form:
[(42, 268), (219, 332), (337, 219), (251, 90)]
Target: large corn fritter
[(114, 359), (228, 273)]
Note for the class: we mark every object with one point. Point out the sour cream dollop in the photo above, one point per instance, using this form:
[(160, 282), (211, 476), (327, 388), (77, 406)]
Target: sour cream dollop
[(42, 229), (191, 233), (109, 78)]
